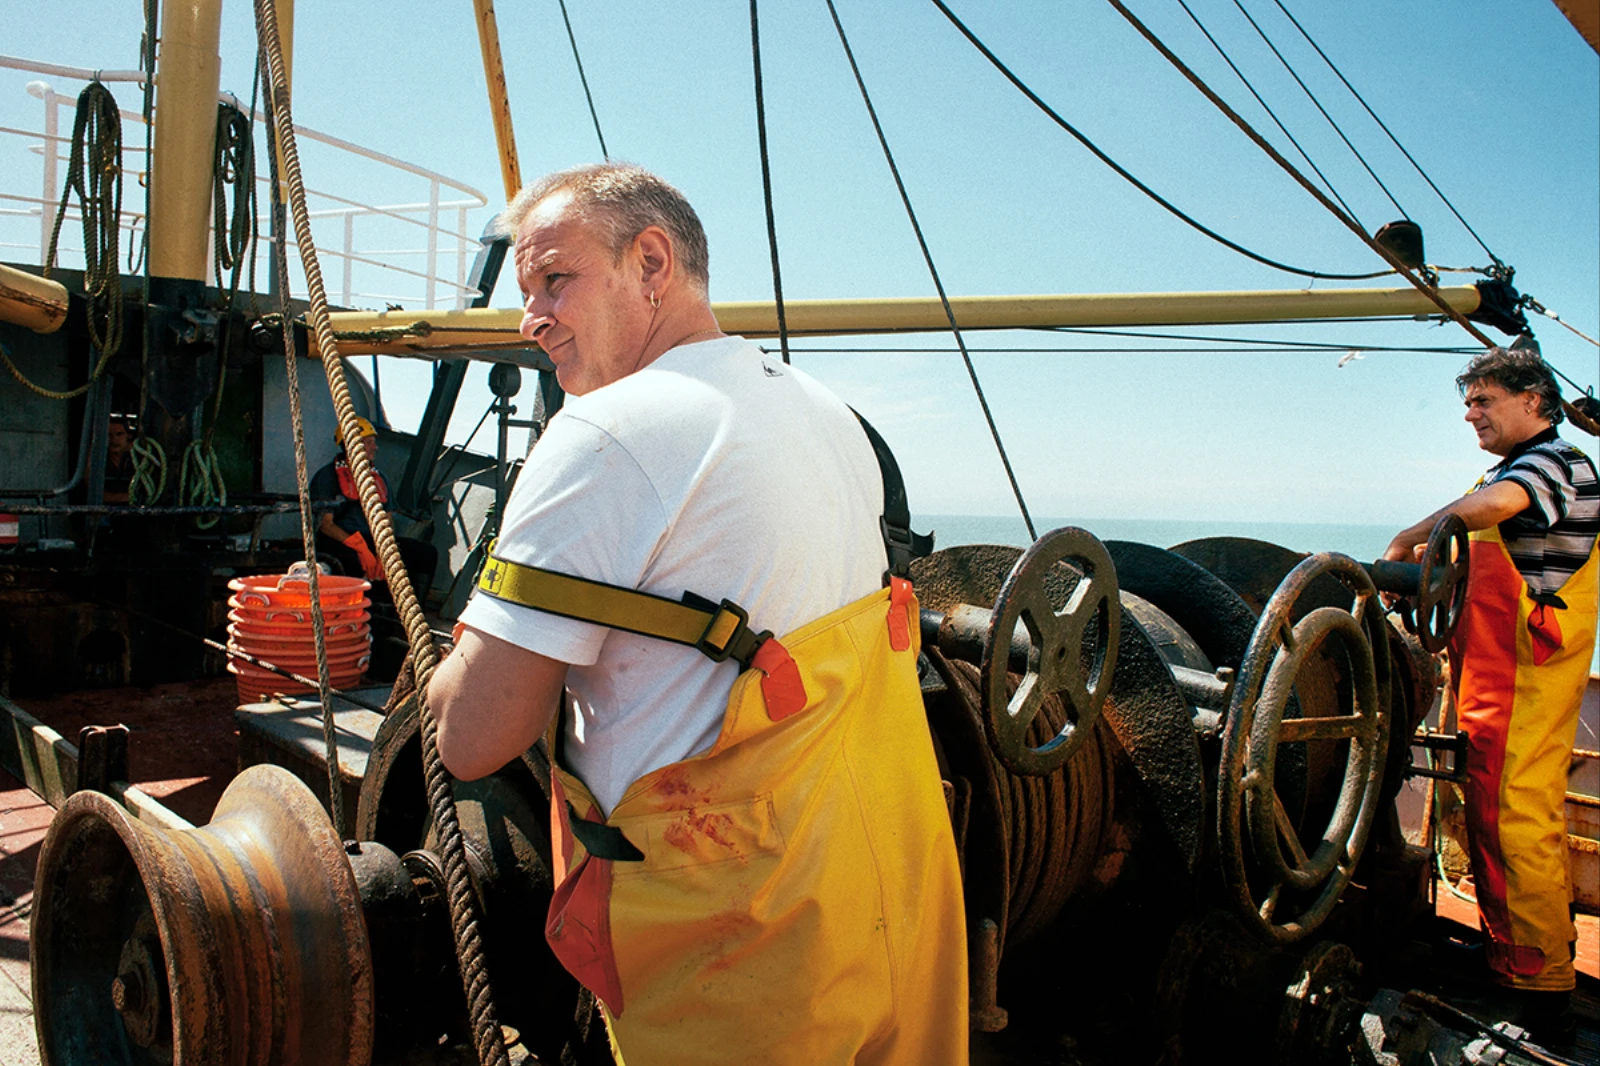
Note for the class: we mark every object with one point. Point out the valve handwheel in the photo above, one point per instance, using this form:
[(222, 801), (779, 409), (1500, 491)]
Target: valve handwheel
[(1280, 890), (1064, 655), (1442, 592)]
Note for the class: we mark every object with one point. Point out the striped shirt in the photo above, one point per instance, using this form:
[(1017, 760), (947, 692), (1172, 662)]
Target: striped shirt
[(1552, 537)]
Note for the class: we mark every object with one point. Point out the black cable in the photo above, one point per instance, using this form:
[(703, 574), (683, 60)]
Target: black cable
[(576, 58), (1318, 104), (1125, 175), (1392, 137), (1267, 108), (927, 256), (766, 183)]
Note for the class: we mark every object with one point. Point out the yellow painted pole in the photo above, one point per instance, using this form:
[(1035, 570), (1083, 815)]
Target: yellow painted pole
[(188, 75), (413, 333), (494, 74), (285, 13), (30, 301)]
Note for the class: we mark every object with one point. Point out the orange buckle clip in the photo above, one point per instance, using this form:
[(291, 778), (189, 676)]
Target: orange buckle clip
[(900, 593)]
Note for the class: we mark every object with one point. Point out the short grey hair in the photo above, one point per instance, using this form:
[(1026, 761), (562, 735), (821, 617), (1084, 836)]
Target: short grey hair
[(623, 200), (1516, 369)]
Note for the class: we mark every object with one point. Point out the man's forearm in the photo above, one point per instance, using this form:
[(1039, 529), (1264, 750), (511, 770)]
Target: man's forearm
[(1489, 506)]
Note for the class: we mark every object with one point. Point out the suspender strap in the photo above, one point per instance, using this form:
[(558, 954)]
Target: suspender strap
[(719, 631), (901, 543)]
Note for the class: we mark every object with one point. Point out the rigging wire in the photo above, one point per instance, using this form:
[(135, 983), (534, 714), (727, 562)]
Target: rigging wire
[(1215, 44), (1431, 291), (1324, 111), (1126, 175), (994, 432), (766, 183), (1360, 99), (576, 58)]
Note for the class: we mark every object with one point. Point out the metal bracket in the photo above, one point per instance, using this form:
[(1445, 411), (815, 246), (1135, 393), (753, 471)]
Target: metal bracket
[(102, 757), (1454, 743)]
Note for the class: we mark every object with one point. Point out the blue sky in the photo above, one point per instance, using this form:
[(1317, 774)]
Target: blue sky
[(1499, 102)]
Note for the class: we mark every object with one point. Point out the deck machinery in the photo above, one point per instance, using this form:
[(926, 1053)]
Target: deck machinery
[(1171, 776)]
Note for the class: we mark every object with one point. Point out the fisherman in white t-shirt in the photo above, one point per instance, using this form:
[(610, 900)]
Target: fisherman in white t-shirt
[(686, 461)]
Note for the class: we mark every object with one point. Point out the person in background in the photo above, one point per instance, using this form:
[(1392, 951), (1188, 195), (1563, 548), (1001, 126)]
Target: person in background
[(119, 460), (1519, 662), (344, 535)]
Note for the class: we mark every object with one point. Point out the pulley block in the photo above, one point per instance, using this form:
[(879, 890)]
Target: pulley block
[(1073, 651), (239, 942)]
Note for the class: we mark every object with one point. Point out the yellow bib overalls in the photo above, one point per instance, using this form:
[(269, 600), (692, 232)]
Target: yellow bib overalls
[(792, 895), (1519, 667)]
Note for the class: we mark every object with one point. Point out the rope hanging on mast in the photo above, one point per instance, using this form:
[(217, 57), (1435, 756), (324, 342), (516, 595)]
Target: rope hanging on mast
[(94, 172), (927, 256)]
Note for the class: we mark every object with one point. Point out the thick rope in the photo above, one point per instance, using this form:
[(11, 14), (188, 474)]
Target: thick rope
[(927, 256), (487, 1036), (308, 537), (766, 183)]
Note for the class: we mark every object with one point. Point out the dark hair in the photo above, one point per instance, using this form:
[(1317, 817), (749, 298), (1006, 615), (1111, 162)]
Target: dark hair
[(1515, 370), (623, 200)]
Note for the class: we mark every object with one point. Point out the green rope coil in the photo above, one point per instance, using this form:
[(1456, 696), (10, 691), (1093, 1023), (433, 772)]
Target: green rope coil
[(149, 478), (200, 482)]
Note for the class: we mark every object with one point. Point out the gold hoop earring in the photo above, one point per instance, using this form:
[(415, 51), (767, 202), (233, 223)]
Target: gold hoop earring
[(655, 301)]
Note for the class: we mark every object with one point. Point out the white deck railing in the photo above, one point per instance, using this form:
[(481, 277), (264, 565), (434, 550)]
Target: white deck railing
[(375, 242)]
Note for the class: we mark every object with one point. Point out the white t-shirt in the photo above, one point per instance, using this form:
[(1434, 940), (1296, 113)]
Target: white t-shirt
[(714, 470)]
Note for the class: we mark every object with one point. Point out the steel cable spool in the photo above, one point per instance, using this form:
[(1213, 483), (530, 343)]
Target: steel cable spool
[(1051, 826), (1279, 890), (240, 941)]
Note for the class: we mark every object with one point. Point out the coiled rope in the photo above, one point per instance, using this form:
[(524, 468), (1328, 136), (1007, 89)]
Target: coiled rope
[(233, 168), (487, 1037), (94, 172), (149, 477)]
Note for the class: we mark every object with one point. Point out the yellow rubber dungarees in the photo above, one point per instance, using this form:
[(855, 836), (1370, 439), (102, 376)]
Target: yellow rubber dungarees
[(792, 895), (1519, 669)]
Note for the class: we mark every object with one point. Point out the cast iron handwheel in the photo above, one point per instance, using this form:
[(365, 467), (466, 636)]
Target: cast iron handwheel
[(1056, 639), (1442, 592), (1279, 890)]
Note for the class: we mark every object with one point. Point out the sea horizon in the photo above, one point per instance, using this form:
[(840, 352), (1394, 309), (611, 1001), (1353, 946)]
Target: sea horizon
[(1363, 542)]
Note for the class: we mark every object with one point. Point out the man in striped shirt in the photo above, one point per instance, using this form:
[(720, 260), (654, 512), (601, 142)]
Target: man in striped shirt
[(1519, 663)]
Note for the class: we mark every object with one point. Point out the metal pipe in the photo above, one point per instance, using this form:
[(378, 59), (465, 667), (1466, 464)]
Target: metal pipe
[(188, 76), (28, 300), (494, 73), (410, 333)]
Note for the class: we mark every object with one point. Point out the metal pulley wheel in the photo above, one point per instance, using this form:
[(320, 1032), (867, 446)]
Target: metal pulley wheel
[(1280, 890), (1442, 593), (1072, 652), (239, 941)]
